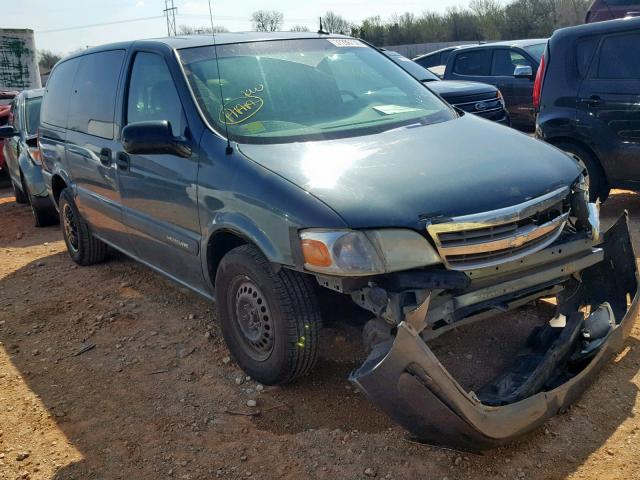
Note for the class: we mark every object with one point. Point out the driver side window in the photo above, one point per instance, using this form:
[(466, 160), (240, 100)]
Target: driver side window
[(152, 93)]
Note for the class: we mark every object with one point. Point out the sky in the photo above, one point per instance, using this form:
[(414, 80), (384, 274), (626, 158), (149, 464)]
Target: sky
[(56, 23)]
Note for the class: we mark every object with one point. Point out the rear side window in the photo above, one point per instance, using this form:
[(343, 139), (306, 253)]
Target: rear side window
[(474, 63), (585, 47), (55, 106), (444, 56), (619, 58), (92, 106), (505, 62), (431, 60)]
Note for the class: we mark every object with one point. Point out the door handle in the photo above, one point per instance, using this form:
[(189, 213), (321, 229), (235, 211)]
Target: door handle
[(105, 157), (122, 161), (591, 101)]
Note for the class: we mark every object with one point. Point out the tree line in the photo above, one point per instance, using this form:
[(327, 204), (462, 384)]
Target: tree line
[(481, 20)]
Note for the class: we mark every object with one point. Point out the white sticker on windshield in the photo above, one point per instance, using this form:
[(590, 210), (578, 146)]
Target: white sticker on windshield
[(392, 109), (346, 42)]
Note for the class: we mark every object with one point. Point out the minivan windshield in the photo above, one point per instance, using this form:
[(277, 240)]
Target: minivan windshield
[(305, 89)]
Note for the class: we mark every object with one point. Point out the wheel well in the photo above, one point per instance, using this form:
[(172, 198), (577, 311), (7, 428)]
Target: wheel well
[(555, 141), (218, 246), (57, 185)]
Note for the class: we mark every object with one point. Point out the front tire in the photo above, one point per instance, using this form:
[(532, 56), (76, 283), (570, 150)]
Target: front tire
[(19, 194), (270, 320), (83, 247), (42, 217)]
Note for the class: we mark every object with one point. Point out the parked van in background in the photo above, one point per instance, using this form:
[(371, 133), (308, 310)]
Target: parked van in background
[(587, 93), (22, 155)]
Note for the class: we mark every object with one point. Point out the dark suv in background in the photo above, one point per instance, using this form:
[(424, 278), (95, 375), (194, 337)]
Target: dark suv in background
[(588, 96), (509, 66)]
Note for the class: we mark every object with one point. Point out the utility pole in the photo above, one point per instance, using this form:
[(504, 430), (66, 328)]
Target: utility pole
[(170, 12)]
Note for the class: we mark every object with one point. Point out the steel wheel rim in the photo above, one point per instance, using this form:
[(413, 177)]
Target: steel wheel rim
[(253, 319), (70, 228)]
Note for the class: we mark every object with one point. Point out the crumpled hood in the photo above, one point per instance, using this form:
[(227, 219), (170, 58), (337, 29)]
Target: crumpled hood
[(400, 177)]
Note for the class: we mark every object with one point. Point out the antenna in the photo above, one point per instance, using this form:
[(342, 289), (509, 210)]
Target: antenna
[(321, 30), (227, 150), (170, 12)]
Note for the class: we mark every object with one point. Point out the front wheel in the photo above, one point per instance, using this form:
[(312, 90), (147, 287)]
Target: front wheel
[(19, 194), (270, 320), (83, 247), (42, 217)]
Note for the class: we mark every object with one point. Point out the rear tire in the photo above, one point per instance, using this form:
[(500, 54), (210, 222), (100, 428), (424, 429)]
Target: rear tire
[(596, 179), (270, 320), (19, 194), (83, 247)]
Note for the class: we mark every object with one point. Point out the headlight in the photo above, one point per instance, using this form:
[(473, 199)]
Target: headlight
[(365, 252)]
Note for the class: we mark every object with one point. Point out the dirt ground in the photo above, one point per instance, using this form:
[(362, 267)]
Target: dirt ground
[(112, 372)]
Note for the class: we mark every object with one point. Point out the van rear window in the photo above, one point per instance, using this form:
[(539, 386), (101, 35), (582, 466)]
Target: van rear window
[(55, 105)]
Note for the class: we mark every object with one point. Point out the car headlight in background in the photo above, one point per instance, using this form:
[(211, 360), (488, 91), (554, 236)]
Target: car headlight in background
[(365, 252)]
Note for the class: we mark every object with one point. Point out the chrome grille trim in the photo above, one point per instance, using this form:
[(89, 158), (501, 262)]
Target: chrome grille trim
[(491, 238)]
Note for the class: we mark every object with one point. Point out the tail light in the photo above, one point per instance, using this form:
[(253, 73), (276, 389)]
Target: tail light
[(39, 154), (537, 84), (35, 155)]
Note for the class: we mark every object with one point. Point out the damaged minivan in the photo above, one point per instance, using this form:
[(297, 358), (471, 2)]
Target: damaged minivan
[(268, 171)]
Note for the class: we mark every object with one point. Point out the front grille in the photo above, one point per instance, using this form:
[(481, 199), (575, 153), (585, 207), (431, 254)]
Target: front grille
[(480, 104), (491, 238)]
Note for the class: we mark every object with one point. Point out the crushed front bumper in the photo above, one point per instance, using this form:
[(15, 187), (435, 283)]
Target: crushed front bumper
[(404, 378)]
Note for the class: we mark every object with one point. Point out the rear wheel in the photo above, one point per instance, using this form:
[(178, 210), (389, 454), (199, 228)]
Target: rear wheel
[(270, 320), (83, 247), (594, 177)]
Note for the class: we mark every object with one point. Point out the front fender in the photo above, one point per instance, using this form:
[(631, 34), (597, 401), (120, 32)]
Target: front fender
[(32, 175), (273, 240)]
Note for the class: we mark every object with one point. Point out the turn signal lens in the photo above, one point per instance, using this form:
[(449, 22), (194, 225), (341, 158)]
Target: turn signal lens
[(316, 253)]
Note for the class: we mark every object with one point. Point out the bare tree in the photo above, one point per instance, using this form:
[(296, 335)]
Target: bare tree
[(267, 20), (189, 30), (47, 59), (299, 28), (334, 23)]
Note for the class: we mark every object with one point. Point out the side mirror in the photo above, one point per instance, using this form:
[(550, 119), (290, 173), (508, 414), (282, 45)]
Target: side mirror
[(523, 71), (153, 138), (8, 131)]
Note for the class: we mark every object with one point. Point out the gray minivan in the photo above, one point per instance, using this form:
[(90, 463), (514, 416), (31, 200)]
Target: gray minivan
[(22, 155), (270, 168)]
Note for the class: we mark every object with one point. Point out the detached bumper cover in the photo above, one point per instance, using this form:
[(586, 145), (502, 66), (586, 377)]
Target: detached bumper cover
[(404, 378)]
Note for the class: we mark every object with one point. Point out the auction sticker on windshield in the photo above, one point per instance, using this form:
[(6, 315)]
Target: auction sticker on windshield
[(393, 109), (345, 42)]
